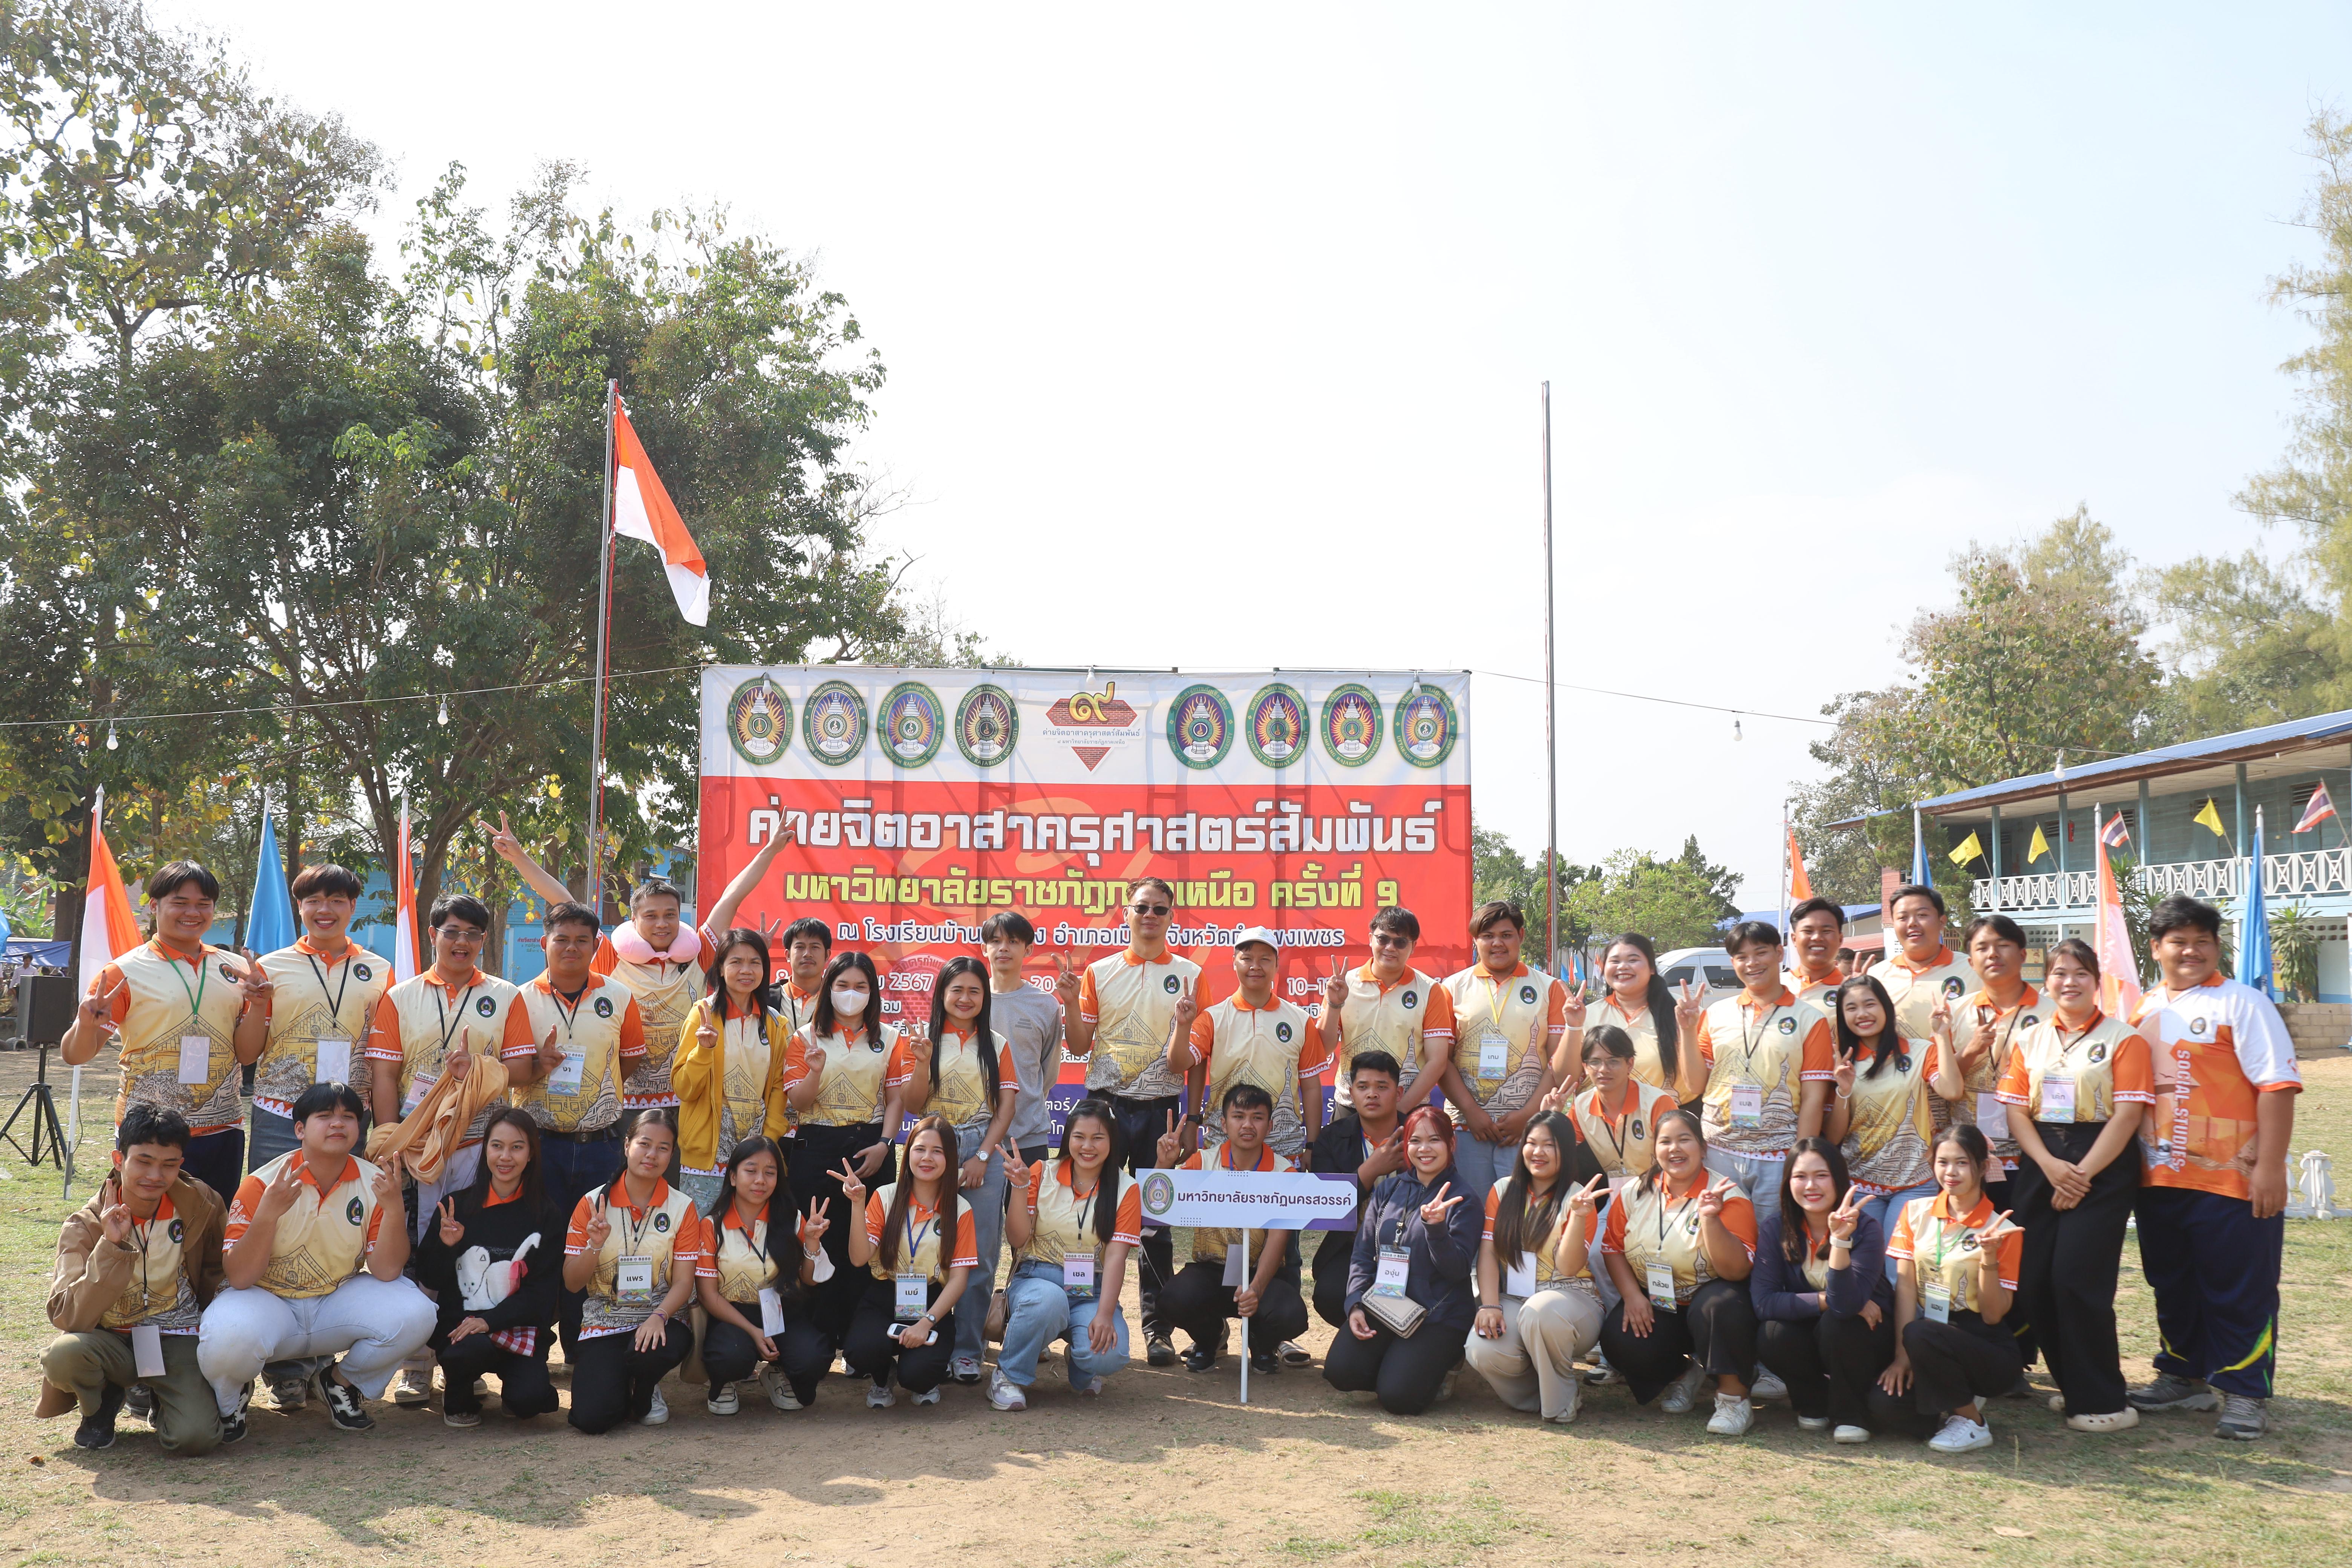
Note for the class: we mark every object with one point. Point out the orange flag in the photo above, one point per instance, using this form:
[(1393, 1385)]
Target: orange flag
[(1800, 886), (108, 927), (642, 509)]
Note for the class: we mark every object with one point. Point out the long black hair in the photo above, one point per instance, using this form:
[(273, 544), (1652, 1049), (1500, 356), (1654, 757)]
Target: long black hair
[(729, 941), (1106, 1192), (983, 1038), (1849, 1043), (823, 1020), (1661, 997), (1795, 1237), (651, 1116), (893, 1224), (534, 1190), (783, 1213), (1514, 1217)]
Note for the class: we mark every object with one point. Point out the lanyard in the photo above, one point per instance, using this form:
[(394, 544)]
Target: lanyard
[(1086, 1210), (1666, 1214), (1616, 1139), (636, 1227), (1749, 1043), (204, 975), (758, 1249), (1494, 1002), (572, 1017), (335, 1001), (441, 1017), (140, 1231), (916, 1237), (2066, 1045)]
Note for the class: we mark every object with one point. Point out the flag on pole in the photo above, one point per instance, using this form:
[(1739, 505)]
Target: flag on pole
[(2111, 940), (642, 509), (1800, 886), (2114, 835), (1920, 876), (2211, 820), (1967, 849), (2318, 811), (2254, 922), (108, 929), (269, 915), (404, 906), (2038, 847)]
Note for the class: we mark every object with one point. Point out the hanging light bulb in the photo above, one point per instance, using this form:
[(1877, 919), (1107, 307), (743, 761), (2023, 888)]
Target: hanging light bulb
[(112, 743), (1735, 730), (445, 710)]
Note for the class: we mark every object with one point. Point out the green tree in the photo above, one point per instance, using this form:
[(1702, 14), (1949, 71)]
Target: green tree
[(1670, 901)]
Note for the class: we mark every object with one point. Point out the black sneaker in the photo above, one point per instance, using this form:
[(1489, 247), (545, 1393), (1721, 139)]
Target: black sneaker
[(345, 1409), (1264, 1361), (1200, 1358), (233, 1425), (97, 1428), (1157, 1350), (140, 1402)]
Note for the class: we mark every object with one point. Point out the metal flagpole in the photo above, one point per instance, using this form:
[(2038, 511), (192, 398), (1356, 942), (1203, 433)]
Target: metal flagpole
[(603, 632), (1551, 703), (1784, 870), (1246, 1327)]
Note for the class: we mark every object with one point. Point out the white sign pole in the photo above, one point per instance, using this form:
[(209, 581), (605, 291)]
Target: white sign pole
[(1245, 1323)]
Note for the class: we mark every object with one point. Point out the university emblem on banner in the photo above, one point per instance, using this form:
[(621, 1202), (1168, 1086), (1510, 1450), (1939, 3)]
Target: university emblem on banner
[(912, 724), (1426, 727), (1351, 725), (987, 726), (760, 721), (1277, 726), (1200, 727), (1094, 724), (1158, 1192), (833, 723)]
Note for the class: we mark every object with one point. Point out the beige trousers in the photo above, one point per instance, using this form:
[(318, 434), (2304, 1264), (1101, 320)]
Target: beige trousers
[(1533, 1365)]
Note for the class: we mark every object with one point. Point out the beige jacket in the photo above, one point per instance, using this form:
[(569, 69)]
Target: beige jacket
[(91, 1275)]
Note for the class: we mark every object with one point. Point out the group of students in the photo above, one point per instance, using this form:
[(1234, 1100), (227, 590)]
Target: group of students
[(1878, 1196)]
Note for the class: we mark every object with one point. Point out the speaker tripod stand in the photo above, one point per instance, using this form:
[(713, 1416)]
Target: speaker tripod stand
[(41, 1100)]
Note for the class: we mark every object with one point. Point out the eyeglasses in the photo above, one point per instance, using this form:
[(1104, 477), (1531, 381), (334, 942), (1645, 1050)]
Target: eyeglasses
[(1149, 908)]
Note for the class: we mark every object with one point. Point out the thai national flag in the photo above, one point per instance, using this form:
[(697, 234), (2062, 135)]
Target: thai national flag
[(2320, 809)]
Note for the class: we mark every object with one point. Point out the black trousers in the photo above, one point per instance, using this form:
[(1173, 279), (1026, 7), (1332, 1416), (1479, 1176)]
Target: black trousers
[(1197, 1301), (1952, 1364), (1405, 1374), (815, 1157), (1829, 1362), (803, 1350), (524, 1387), (1716, 1327), (1143, 1122), (2071, 1257), (612, 1381), (872, 1350), (1333, 1256)]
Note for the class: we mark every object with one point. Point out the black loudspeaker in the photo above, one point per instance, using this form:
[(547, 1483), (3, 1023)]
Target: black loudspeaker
[(45, 1004)]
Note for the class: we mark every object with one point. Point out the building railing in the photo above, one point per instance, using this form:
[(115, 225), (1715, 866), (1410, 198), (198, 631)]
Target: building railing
[(2305, 874)]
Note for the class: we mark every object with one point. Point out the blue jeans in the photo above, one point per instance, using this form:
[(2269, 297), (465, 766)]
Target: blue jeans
[(1481, 1165), (1758, 1176), (987, 1205), (272, 1135), (574, 1170), (1038, 1312), (1887, 1208)]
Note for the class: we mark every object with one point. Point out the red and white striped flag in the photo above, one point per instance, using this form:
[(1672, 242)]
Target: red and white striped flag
[(2114, 835), (404, 906), (642, 509), (2318, 811)]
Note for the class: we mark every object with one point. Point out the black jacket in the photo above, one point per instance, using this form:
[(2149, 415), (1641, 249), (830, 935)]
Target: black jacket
[(1441, 1273), (495, 1232)]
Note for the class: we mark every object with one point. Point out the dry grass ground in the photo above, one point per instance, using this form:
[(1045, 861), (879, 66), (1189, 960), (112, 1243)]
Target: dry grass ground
[(1169, 1467)]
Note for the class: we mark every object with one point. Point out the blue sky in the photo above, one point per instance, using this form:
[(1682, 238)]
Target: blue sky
[(1214, 332)]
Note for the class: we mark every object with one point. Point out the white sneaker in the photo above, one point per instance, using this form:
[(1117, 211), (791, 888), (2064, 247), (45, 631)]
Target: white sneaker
[(722, 1400), (1682, 1392), (1767, 1386), (656, 1414), (1851, 1435), (1813, 1423), (1003, 1393), (1602, 1374), (879, 1396), (2057, 1404), (412, 1389), (1575, 1404), (2111, 1421), (928, 1396), (1961, 1435), (779, 1389), (1732, 1415)]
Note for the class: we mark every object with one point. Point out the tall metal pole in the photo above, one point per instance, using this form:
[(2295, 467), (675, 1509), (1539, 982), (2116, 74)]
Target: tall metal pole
[(603, 634), (1551, 702)]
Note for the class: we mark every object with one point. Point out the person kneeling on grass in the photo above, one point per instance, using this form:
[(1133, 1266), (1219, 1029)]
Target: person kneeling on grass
[(493, 1258), (1072, 1227), (1412, 1295), (1220, 1281), (917, 1243), (1539, 1311), (312, 1269), (754, 1284), (1959, 1271), (1824, 1308), (136, 1266), (633, 1247)]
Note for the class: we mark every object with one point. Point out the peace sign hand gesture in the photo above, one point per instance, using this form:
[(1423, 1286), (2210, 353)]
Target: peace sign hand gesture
[(451, 1233), (97, 1013), (1690, 1004), (1844, 1217), (114, 1219), (1436, 1210), (504, 844), (1188, 1007), (706, 1038), (1335, 988), (255, 983), (769, 926), (1172, 1144), (1710, 1202), (1585, 1199), (599, 1229), (819, 1221), (852, 1188), (1572, 1010), (1981, 1041), (387, 1183), (1939, 1022), (1066, 980), (1844, 1069)]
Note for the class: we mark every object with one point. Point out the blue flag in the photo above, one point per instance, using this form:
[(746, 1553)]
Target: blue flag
[(1920, 876), (2254, 922), (269, 917)]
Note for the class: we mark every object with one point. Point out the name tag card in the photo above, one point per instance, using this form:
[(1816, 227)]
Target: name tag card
[(772, 1311), (1237, 1265), (1395, 1265), (911, 1294), (633, 1276), (1617, 1183), (1936, 1303), (565, 1079), (1992, 1116), (147, 1350), (195, 1058), (1748, 1105), (1079, 1273), (1661, 1285), (2057, 1098), (1519, 1278), (417, 1091), (1493, 1056)]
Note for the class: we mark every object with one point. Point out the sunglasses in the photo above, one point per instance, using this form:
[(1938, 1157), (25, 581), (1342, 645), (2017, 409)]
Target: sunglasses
[(1149, 908)]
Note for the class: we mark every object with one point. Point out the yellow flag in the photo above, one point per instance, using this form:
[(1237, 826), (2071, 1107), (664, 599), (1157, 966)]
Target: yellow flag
[(2210, 819), (1967, 849), (2039, 847)]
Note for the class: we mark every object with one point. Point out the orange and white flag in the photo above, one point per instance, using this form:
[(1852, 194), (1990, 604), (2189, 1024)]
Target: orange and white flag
[(2111, 940), (108, 927), (1800, 886), (643, 510), (404, 907)]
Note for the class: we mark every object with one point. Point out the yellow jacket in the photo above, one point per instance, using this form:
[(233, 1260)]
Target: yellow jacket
[(698, 1073)]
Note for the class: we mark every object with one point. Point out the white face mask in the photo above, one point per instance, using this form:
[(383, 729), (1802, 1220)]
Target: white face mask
[(849, 1004)]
